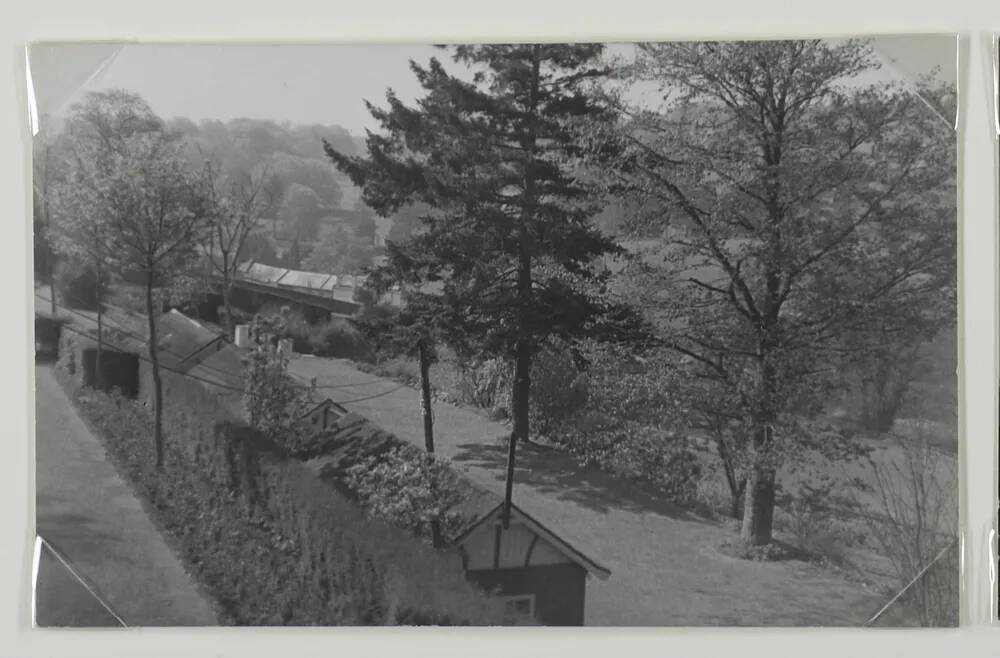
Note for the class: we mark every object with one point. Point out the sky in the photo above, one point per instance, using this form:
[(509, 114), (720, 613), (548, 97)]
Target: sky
[(305, 83)]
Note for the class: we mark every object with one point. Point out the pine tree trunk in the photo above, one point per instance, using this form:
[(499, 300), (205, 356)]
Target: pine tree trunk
[(519, 411), (154, 360), (425, 390), (98, 370), (523, 349)]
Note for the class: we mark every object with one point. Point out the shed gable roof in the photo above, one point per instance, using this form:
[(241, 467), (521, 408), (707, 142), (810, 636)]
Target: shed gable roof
[(353, 438), (517, 514)]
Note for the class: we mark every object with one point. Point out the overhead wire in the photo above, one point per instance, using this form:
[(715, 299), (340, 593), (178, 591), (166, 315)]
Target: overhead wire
[(189, 375), (131, 334), (145, 341), (139, 356)]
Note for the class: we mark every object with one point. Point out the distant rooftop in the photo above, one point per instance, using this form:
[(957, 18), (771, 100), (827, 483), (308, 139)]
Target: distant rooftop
[(181, 340)]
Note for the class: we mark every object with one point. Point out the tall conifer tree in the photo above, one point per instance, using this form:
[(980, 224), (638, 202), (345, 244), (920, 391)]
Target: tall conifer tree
[(507, 233)]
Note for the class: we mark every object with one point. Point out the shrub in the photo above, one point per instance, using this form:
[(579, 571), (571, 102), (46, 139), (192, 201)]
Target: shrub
[(330, 337), (399, 368), (297, 328), (274, 403), (637, 451), (712, 495), (338, 339), (409, 488), (271, 542), (558, 390), (813, 524), (76, 285), (485, 383), (915, 524), (66, 363)]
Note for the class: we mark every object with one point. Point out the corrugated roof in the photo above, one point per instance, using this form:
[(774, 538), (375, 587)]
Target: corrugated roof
[(223, 367), (300, 279), (265, 273), (181, 341)]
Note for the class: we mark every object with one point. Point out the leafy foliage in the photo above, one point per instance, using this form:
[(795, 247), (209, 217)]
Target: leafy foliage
[(131, 203), (275, 404), (340, 252), (409, 488), (302, 209), (561, 389), (271, 543), (486, 384), (506, 232), (50, 168), (77, 284), (102, 136), (802, 217)]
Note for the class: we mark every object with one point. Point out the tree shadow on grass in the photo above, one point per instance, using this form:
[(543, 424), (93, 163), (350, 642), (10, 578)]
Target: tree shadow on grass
[(555, 473)]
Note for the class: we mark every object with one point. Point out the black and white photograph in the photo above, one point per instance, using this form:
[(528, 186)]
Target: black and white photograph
[(496, 334)]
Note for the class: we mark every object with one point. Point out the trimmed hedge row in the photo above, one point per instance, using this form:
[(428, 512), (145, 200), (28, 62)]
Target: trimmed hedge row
[(271, 542)]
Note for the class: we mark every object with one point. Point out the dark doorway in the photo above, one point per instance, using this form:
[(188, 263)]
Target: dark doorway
[(47, 334), (118, 370)]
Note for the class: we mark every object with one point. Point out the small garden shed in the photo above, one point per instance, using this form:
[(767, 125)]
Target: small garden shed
[(48, 330), (183, 343), (528, 565), (120, 362)]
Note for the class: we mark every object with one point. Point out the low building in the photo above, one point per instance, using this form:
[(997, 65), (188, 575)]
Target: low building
[(120, 363), (222, 370), (528, 565), (183, 343), (48, 330), (525, 563)]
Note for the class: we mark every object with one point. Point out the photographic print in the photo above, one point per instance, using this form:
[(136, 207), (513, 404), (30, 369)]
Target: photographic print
[(625, 334)]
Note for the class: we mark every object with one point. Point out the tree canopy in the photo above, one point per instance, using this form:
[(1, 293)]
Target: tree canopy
[(803, 215), (507, 233)]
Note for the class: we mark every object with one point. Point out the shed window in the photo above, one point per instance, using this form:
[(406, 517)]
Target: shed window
[(520, 603)]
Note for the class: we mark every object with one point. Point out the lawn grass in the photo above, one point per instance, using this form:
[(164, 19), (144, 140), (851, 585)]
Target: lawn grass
[(666, 562), (836, 538)]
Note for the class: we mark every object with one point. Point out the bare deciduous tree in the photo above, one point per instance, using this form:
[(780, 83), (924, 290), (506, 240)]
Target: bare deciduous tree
[(914, 523), (238, 201)]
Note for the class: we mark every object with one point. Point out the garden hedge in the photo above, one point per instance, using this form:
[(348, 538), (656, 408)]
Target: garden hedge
[(272, 543)]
